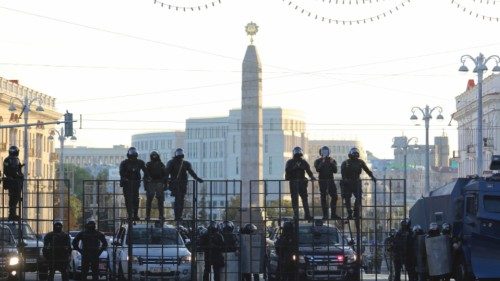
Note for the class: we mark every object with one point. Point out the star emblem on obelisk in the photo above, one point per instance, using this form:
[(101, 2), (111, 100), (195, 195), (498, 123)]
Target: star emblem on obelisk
[(251, 29)]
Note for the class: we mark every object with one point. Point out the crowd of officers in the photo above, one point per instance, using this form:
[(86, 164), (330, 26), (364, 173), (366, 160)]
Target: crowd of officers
[(405, 248)]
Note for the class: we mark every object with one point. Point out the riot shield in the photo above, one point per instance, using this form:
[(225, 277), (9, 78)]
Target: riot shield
[(420, 254), (252, 253), (438, 251)]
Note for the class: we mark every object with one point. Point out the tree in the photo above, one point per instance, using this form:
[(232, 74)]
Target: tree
[(76, 176), (202, 213), (275, 209), (233, 211), (75, 212)]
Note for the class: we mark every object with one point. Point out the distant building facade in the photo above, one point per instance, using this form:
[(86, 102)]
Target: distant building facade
[(164, 143), (466, 117), (84, 156)]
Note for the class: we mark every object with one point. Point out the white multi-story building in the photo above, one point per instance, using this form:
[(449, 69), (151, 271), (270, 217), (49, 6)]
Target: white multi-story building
[(213, 147), (164, 143), (84, 156), (466, 116), (338, 149)]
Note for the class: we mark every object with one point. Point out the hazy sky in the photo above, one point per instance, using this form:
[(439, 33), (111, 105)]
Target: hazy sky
[(131, 66)]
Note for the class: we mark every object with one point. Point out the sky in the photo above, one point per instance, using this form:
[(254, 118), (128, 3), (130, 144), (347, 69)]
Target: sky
[(133, 66)]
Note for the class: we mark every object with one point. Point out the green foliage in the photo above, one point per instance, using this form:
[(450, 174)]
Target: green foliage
[(76, 176), (232, 212), (75, 212), (276, 209)]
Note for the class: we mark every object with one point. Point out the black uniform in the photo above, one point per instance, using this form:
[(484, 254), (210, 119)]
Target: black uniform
[(177, 170), (212, 243), (13, 180), (130, 180), (155, 185), (326, 167), (389, 255), (295, 171), (286, 247), (57, 251), (404, 254), (93, 244), (351, 183)]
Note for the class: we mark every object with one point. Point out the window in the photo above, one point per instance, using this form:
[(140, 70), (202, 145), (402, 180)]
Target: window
[(266, 143), (234, 143), (270, 165), (237, 165), (471, 204), (492, 204)]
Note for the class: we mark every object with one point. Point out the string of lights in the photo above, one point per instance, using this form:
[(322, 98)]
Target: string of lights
[(365, 20), (487, 2), (352, 2), (473, 13), (187, 8)]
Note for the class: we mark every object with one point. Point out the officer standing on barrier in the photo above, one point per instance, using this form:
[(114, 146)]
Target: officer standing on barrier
[(130, 180), (287, 250), (389, 253), (403, 249), (295, 171), (326, 167), (177, 170), (155, 186), (57, 251), (351, 183), (93, 244), (212, 244), (13, 180)]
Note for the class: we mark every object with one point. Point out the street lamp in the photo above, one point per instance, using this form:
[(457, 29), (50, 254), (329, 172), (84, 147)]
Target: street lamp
[(426, 116), (26, 103), (61, 138), (479, 68)]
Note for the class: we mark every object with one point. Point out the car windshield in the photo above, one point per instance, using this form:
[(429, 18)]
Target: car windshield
[(27, 231), (156, 236), (318, 236), (5, 236), (492, 204)]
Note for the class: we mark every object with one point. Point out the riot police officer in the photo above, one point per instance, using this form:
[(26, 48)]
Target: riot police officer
[(130, 180), (212, 244), (57, 251), (389, 253), (326, 167), (93, 244), (351, 183), (403, 251), (230, 239), (433, 230), (287, 247), (177, 170), (155, 184), (446, 229), (13, 180), (420, 253), (295, 170)]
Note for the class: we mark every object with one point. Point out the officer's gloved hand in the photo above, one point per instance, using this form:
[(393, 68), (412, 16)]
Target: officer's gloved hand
[(199, 180)]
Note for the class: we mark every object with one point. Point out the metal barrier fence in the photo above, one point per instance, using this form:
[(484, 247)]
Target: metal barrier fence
[(143, 250)]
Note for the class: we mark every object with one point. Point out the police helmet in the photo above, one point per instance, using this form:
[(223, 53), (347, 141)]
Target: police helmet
[(249, 229), (179, 152), (132, 153), (297, 151), (58, 226), (433, 229), (417, 229), (201, 230), (405, 224), (288, 227), (154, 155), (353, 153), (325, 151), (13, 151), (90, 225), (212, 227), (392, 232), (227, 227), (445, 229)]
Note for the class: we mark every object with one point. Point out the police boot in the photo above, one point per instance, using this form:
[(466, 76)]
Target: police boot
[(307, 215), (325, 213), (136, 215)]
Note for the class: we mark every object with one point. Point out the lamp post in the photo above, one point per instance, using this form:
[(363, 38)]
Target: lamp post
[(479, 67), (26, 103), (426, 116), (61, 137)]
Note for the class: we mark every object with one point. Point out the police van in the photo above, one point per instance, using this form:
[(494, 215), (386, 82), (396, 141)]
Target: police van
[(323, 253), (150, 251)]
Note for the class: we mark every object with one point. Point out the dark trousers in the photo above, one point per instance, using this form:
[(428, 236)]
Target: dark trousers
[(131, 194), (155, 189), (410, 269), (58, 266), (299, 188), (208, 268), (350, 188), (14, 198), (90, 263), (287, 272), (248, 277), (328, 187)]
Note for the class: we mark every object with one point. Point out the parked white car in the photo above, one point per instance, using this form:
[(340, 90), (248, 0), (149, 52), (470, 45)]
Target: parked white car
[(158, 253)]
